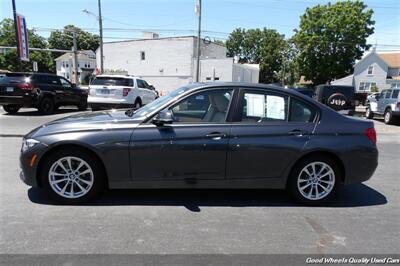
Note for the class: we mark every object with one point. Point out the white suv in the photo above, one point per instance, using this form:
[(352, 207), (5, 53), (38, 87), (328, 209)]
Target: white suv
[(119, 91)]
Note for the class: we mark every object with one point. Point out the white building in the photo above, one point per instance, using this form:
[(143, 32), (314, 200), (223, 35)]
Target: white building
[(380, 69), (168, 63), (86, 65)]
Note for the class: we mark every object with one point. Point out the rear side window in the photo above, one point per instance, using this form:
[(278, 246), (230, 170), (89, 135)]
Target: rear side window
[(395, 94), (264, 107), (301, 111), (53, 80), (388, 94), (110, 81), (9, 79)]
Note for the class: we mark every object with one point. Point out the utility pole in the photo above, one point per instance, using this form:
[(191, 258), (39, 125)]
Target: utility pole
[(16, 33), (198, 11), (75, 51), (101, 38)]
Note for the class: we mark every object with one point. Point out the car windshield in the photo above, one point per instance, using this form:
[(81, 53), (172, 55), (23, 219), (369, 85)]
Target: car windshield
[(110, 81), (148, 108)]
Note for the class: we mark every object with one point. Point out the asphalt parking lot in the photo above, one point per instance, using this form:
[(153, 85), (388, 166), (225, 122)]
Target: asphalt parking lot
[(363, 219)]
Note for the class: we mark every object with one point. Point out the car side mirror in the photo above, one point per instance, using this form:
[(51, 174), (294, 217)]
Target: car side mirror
[(73, 85), (377, 97), (163, 117)]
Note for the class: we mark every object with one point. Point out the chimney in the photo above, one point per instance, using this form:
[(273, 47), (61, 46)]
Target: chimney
[(150, 35)]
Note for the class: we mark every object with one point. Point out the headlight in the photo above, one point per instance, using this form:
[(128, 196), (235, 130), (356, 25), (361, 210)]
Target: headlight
[(28, 143)]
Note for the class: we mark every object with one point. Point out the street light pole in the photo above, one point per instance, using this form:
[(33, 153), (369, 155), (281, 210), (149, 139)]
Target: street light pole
[(198, 9), (75, 51), (101, 38)]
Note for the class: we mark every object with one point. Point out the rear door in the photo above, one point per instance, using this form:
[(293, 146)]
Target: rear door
[(271, 131), (382, 102)]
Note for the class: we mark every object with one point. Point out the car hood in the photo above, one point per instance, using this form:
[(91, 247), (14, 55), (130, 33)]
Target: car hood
[(89, 121)]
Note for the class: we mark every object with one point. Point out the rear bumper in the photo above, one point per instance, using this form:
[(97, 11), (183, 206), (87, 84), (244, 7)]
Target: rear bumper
[(360, 165), (108, 103), (26, 100)]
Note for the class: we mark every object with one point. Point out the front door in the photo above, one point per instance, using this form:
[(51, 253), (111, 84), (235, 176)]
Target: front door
[(193, 147), (272, 130)]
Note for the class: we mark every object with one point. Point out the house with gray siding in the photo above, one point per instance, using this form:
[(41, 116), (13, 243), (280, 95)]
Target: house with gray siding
[(380, 69)]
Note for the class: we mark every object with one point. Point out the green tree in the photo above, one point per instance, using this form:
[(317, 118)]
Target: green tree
[(330, 38), (63, 39), (259, 46), (9, 59)]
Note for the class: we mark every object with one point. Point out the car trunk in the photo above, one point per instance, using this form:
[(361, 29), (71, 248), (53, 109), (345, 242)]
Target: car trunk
[(109, 87), (14, 85)]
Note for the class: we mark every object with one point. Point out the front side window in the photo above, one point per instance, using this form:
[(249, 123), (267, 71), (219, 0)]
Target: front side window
[(203, 107), (370, 70), (65, 83), (264, 107), (140, 83), (388, 94)]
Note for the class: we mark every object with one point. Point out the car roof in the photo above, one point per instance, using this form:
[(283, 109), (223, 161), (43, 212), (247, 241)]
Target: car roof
[(116, 76)]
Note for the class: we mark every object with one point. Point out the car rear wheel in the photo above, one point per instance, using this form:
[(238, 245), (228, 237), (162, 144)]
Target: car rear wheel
[(368, 113), (314, 180), (11, 108), (72, 176), (46, 106), (388, 117)]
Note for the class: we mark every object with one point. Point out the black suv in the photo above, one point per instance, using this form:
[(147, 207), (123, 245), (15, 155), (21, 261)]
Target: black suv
[(45, 92), (339, 98)]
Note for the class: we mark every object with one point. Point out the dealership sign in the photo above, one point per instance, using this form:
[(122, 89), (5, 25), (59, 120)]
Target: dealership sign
[(22, 38)]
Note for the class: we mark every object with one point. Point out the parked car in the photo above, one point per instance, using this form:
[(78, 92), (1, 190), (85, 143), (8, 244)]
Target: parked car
[(360, 98), (119, 91), (339, 98), (386, 103), (43, 91), (217, 135)]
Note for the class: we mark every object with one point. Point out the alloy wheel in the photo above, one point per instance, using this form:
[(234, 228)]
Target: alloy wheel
[(71, 177), (316, 181)]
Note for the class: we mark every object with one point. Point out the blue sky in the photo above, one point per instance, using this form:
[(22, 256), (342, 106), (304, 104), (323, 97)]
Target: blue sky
[(124, 19)]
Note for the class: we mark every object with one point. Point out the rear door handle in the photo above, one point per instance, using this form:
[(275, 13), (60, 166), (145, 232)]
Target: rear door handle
[(298, 132), (216, 135)]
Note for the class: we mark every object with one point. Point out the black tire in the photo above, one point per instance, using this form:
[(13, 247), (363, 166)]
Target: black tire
[(11, 108), (137, 104), (337, 101), (388, 117), (46, 106), (368, 113), (82, 106), (98, 185), (293, 187)]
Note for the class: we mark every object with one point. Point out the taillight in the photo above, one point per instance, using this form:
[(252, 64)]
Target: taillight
[(25, 86), (371, 134), (126, 91)]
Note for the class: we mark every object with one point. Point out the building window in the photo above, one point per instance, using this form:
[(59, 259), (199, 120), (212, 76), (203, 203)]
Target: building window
[(395, 86), (366, 86), (370, 70), (142, 56)]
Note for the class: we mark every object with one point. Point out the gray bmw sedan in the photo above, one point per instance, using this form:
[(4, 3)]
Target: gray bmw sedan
[(211, 135)]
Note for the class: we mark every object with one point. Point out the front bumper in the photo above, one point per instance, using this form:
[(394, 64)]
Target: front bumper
[(29, 165)]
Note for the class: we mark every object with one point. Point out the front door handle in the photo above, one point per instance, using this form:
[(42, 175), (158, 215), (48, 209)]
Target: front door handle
[(298, 132), (216, 135)]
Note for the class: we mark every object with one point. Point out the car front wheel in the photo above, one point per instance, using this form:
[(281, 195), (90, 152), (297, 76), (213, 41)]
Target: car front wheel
[(314, 180), (72, 176), (368, 113)]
